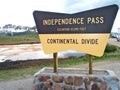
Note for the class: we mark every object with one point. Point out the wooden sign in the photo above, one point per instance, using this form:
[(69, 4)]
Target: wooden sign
[(86, 31)]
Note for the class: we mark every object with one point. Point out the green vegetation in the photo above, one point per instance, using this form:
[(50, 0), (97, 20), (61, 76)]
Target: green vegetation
[(31, 37), (18, 73), (21, 72), (110, 48)]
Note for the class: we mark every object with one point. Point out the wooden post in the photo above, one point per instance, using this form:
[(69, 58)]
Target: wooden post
[(90, 64), (55, 62)]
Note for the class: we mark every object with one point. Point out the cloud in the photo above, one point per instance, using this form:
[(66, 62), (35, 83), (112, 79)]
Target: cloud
[(20, 11), (72, 6), (116, 24)]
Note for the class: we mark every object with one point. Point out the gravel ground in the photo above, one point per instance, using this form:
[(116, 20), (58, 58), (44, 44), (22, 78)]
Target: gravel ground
[(18, 84), (114, 42), (113, 65), (27, 82)]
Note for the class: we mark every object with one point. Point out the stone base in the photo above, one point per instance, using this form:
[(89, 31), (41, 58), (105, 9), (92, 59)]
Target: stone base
[(75, 79)]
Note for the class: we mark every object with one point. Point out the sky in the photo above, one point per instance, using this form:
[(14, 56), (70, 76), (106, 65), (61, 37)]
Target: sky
[(20, 12)]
